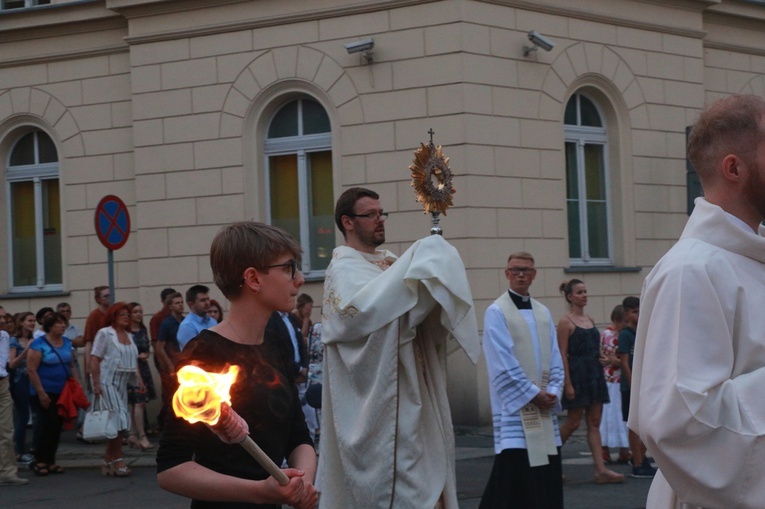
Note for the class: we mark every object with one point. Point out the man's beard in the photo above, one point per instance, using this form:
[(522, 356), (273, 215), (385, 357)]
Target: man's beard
[(373, 239), (754, 192)]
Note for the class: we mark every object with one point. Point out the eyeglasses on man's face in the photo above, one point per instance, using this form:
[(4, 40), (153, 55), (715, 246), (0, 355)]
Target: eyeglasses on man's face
[(517, 271), (292, 264), (374, 216)]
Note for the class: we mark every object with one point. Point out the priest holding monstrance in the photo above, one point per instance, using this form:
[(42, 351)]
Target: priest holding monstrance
[(387, 438)]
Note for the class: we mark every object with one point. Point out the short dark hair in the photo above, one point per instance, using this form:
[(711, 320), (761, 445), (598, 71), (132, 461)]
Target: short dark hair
[(630, 303), (302, 300), (41, 314), (346, 204), (62, 305), (171, 297), (194, 291), (245, 244), (164, 293), (730, 125), (97, 291), (617, 315), (51, 319)]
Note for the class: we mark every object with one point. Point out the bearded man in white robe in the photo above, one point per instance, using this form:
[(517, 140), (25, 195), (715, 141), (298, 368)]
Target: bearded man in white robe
[(387, 438), (699, 367)]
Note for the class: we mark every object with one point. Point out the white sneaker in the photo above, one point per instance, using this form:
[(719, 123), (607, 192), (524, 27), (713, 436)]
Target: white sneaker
[(25, 459), (13, 481)]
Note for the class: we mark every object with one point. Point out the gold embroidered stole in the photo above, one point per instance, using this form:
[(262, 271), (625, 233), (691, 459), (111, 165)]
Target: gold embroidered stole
[(538, 425)]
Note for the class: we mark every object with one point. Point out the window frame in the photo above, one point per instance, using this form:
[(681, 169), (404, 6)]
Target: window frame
[(35, 173), (301, 145), (28, 4), (581, 136)]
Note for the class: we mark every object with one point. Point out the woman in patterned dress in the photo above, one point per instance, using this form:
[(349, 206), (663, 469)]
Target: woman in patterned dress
[(138, 398), (113, 363)]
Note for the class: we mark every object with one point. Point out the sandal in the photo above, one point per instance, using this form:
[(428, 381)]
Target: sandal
[(106, 469), (55, 469), (144, 443), (122, 471), (132, 441), (608, 477), (40, 469)]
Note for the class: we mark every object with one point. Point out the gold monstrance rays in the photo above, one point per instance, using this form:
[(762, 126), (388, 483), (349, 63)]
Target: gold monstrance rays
[(432, 181)]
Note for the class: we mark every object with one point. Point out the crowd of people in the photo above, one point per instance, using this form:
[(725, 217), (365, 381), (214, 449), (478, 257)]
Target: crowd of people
[(581, 369), (39, 355), (369, 378)]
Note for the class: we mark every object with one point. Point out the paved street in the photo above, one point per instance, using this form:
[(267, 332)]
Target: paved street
[(83, 487)]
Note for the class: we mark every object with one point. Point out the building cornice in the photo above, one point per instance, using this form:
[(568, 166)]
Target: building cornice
[(53, 19), (739, 11), (558, 9), (64, 56), (723, 46), (62, 20), (249, 24), (745, 20), (63, 28)]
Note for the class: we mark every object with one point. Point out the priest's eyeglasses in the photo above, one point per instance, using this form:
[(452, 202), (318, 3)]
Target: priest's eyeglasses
[(516, 271), (374, 216), (292, 264)]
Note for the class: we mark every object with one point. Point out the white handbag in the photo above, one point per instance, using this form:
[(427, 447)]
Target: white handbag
[(101, 423)]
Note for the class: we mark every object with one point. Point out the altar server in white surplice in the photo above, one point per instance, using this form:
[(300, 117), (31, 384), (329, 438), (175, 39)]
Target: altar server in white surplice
[(387, 439), (699, 366), (525, 383)]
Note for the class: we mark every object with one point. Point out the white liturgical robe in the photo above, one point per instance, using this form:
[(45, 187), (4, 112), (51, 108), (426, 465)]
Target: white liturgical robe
[(386, 432), (699, 367)]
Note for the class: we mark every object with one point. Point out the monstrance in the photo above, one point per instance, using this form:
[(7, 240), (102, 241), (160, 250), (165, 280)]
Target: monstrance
[(432, 181)]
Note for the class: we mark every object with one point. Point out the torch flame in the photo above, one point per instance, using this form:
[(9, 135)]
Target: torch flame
[(200, 393)]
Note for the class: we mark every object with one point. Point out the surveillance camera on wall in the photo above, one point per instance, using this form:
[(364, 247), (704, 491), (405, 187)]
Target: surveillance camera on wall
[(360, 46), (539, 41)]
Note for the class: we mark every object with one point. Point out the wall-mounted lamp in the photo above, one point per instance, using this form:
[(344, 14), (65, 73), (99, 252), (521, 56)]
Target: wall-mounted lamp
[(538, 41), (363, 46)]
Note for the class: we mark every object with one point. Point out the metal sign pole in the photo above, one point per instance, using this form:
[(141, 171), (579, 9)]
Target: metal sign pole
[(110, 259)]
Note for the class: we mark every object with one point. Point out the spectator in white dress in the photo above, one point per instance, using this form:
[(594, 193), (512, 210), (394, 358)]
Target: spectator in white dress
[(114, 362)]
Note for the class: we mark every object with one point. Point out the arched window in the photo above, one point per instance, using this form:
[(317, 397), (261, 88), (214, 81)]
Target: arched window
[(587, 188), (299, 179), (34, 213)]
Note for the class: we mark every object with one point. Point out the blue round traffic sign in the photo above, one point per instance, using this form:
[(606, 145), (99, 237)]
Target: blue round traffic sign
[(112, 222)]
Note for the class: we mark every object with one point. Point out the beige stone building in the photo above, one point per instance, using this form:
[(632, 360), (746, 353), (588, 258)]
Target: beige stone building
[(199, 113)]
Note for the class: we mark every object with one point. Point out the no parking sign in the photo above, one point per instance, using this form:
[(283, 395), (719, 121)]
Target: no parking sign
[(113, 228), (112, 222)]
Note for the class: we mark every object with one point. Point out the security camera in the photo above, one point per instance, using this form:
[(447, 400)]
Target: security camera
[(360, 46), (538, 41)]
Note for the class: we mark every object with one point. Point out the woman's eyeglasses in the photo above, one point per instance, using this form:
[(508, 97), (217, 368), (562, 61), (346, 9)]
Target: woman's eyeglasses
[(292, 264)]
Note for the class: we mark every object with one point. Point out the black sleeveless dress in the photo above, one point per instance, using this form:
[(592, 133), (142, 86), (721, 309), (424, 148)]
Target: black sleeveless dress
[(585, 370)]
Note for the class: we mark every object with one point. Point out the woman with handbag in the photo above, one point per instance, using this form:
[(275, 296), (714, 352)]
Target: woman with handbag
[(49, 365), (114, 363)]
